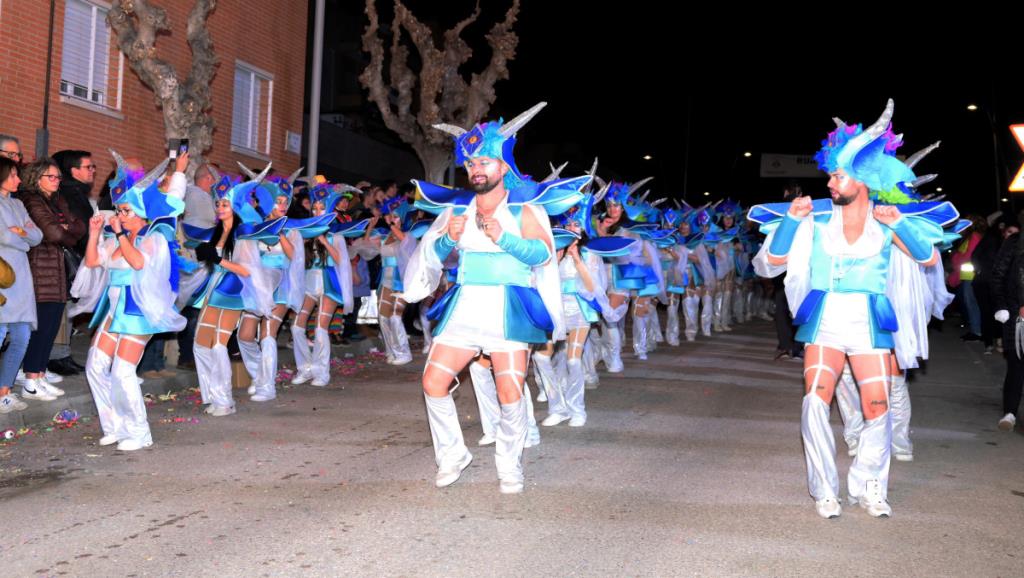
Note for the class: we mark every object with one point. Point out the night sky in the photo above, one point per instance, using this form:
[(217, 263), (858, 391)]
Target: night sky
[(628, 81)]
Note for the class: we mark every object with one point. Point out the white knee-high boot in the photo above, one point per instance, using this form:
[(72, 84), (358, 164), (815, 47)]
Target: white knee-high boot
[(450, 453)]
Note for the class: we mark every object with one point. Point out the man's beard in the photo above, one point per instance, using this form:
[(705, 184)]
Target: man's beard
[(842, 200), (486, 186)]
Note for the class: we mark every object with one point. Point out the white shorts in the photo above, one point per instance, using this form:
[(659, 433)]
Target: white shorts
[(845, 325)]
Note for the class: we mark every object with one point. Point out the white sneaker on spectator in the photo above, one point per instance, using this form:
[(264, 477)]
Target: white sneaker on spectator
[(10, 402), (49, 375), (49, 388), (1009, 420), (31, 389)]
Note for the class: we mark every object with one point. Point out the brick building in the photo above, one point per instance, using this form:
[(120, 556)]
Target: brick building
[(96, 101)]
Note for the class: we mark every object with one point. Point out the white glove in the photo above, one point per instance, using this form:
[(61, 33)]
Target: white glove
[(1002, 316)]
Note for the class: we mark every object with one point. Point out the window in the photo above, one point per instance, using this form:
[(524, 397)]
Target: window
[(251, 108), (86, 58)]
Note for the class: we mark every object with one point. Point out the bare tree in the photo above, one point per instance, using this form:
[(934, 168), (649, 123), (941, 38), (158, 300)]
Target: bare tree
[(437, 93), (185, 104)]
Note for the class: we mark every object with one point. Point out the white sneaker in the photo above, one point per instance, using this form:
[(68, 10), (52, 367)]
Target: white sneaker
[(132, 445), (251, 390), (31, 389), (542, 396), (52, 377), (220, 412), (902, 457), (10, 402), (209, 409), (108, 440), (486, 440), (577, 421), (301, 377), (873, 502), (1008, 422), (447, 477), (49, 388), (554, 419), (642, 356), (851, 448), (261, 397), (828, 508), (400, 360), (318, 383)]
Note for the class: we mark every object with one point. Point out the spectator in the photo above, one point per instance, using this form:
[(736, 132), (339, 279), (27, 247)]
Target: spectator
[(61, 231), (18, 234)]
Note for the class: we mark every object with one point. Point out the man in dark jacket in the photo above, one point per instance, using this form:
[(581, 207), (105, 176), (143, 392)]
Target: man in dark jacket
[(1007, 286), (79, 173)]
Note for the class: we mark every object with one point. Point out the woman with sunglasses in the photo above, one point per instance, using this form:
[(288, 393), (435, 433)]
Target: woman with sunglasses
[(61, 231)]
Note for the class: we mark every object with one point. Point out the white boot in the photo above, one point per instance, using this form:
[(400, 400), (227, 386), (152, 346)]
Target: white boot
[(590, 377), (97, 371), (266, 388), (899, 400), (557, 410), (613, 359), (222, 402), (486, 401), (532, 431), (868, 480), (726, 310), (573, 393), (303, 356), (387, 336), (691, 309), (508, 451), (654, 334), (450, 451), (717, 310), (640, 336), (737, 305), (321, 358), (252, 358), (819, 449), (706, 315), (400, 341), (672, 323), (206, 370), (428, 338), (133, 429)]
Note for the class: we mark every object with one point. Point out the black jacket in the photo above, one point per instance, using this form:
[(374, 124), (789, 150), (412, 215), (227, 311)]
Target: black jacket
[(76, 195), (1008, 276)]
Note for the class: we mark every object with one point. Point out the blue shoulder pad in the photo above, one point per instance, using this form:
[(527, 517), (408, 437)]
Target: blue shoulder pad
[(266, 231), (436, 198), (563, 238), (607, 247), (557, 196), (350, 230)]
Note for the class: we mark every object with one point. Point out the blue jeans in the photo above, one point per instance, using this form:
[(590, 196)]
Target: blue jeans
[(970, 306), (11, 363)]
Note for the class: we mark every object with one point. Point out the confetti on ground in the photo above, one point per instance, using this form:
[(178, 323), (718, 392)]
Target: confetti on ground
[(65, 419)]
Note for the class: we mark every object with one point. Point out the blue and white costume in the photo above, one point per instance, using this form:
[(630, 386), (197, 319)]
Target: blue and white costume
[(130, 304), (844, 299)]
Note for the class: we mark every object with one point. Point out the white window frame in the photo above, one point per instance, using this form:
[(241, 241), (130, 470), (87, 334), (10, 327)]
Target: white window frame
[(105, 107), (251, 145)]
